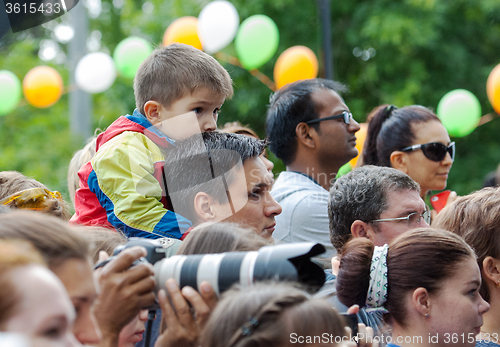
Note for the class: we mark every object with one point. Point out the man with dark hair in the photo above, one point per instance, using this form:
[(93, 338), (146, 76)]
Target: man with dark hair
[(215, 176), (375, 202), (311, 129)]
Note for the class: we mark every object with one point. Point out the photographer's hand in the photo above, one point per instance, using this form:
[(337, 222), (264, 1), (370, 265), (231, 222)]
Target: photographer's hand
[(183, 330), (124, 291), (365, 334)]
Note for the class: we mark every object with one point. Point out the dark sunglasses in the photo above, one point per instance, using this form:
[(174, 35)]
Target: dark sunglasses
[(347, 116), (435, 151)]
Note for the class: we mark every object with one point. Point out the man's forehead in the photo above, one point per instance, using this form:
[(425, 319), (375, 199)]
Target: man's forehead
[(318, 96), (256, 172), (320, 90), (404, 199)]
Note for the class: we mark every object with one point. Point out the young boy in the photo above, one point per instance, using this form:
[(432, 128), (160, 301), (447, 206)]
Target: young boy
[(179, 91)]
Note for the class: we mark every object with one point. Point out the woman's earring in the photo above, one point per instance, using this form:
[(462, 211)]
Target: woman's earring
[(497, 285), (426, 316)]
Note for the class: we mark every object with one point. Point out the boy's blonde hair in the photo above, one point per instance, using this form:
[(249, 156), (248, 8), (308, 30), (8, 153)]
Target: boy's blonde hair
[(171, 72)]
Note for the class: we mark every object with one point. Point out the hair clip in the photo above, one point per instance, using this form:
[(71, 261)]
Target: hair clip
[(246, 329), (388, 110)]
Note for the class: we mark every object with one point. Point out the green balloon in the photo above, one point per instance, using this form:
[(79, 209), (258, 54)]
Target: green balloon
[(10, 92), (344, 169), (129, 54), (460, 111), (257, 41)]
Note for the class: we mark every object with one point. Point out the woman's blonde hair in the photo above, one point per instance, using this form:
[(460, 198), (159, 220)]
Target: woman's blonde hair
[(102, 239), (80, 158), (54, 239), (476, 218), (12, 182)]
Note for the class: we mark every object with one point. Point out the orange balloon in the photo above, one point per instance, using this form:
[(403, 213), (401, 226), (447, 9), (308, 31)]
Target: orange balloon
[(295, 63), (42, 86), (493, 88), (360, 142), (183, 30)]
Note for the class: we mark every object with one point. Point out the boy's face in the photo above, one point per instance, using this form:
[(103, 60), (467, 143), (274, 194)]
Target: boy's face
[(191, 114)]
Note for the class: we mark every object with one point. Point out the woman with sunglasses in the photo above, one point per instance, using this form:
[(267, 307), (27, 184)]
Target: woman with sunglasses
[(411, 139)]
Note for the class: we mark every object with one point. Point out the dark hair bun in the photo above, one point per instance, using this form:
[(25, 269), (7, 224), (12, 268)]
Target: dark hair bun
[(353, 278)]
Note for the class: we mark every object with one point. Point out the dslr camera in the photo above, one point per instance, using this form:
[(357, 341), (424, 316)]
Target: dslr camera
[(284, 262)]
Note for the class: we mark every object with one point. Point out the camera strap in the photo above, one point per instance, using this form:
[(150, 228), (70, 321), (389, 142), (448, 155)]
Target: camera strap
[(149, 327)]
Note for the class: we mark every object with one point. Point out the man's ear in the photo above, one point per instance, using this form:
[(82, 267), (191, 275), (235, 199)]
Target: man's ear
[(203, 207), (152, 111), (491, 269), (421, 301), (362, 229), (303, 132), (399, 161), (359, 229)]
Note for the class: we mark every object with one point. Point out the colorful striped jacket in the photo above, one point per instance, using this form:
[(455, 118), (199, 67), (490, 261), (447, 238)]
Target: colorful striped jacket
[(123, 185)]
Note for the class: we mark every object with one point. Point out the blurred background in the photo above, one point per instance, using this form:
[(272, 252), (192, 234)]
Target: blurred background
[(396, 52)]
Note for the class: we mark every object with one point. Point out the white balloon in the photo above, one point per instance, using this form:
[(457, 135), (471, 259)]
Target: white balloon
[(95, 73), (218, 24)]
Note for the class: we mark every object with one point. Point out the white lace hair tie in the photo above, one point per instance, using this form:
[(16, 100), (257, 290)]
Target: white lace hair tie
[(377, 291)]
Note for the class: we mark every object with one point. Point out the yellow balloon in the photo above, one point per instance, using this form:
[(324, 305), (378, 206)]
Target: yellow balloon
[(42, 86), (493, 88), (183, 30), (360, 142), (294, 64)]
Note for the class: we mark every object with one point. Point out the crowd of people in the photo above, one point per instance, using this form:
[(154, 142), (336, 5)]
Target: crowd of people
[(396, 273)]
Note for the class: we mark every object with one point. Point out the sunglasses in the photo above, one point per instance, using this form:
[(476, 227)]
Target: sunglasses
[(435, 151), (31, 199), (413, 219), (346, 116)]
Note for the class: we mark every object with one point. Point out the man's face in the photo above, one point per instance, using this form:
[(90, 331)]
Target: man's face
[(337, 140), (257, 206), (400, 204)]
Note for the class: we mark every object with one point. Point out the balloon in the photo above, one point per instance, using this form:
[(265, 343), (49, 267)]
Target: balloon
[(42, 86), (95, 73), (257, 41), (344, 169), (360, 142), (217, 25), (10, 91), (183, 30), (460, 111), (493, 88), (295, 63), (129, 54)]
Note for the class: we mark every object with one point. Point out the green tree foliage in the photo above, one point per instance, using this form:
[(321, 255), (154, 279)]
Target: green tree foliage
[(400, 52)]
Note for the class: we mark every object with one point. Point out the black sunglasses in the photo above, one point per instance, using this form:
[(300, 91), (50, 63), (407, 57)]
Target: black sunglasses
[(435, 151), (347, 116)]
